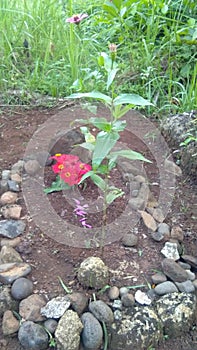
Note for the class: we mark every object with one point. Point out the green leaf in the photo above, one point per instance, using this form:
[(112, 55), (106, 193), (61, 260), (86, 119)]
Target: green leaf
[(113, 194), (119, 112), (119, 125), (128, 154), (98, 181), (93, 94), (88, 145), (101, 123), (57, 185), (86, 175), (104, 144), (111, 77), (131, 99)]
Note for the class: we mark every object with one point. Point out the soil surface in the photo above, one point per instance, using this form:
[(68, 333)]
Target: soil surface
[(50, 259)]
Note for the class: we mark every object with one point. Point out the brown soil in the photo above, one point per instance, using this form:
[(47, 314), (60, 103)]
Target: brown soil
[(50, 259)]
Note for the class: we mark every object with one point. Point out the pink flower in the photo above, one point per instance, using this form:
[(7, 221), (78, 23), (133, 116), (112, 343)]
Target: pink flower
[(76, 19)]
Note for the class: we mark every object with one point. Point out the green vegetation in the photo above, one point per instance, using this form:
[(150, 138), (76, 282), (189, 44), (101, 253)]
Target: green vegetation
[(41, 52)]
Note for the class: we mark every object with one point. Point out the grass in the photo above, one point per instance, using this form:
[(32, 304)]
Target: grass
[(40, 52)]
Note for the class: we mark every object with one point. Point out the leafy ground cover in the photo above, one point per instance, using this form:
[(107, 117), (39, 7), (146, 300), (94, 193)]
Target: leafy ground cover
[(40, 51)]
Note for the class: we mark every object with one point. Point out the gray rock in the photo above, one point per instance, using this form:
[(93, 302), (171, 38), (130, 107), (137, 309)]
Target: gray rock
[(117, 315), (123, 290), (137, 203), (186, 286), (113, 293), (42, 157), (177, 313), (185, 266), (101, 311), (129, 240), (56, 307), (134, 193), (6, 300), (190, 260), (18, 167), (164, 229), (3, 186), (51, 325), (191, 275), (170, 251), (157, 236), (174, 271), (32, 167), (10, 324), (64, 141), (9, 255), (195, 284), (12, 228), (158, 215), (139, 329), (10, 272), (30, 308), (8, 198), (32, 336), (128, 300), (158, 278), (93, 273), (165, 288), (21, 288), (92, 334), (79, 302), (13, 186), (5, 175), (68, 331)]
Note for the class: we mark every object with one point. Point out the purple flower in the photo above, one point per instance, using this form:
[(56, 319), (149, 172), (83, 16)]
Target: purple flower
[(83, 222), (80, 210), (76, 19)]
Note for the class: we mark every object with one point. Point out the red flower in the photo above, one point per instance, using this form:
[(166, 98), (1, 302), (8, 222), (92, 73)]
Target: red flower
[(76, 19)]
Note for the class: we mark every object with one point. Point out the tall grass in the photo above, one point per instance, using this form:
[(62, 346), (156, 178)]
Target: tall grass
[(40, 52)]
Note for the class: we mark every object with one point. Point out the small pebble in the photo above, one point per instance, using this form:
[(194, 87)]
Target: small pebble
[(123, 290), (128, 300), (113, 293)]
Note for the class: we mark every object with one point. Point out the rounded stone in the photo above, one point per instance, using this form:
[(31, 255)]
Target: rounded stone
[(128, 300), (79, 302), (165, 288), (21, 288), (129, 240), (8, 198), (32, 336), (113, 293), (93, 273), (32, 167), (123, 290), (101, 311), (92, 334)]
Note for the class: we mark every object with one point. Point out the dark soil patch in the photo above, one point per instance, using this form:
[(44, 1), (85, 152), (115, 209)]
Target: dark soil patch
[(50, 259)]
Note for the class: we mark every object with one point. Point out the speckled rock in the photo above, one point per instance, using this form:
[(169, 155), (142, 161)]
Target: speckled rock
[(101, 311), (21, 288), (170, 251), (177, 312), (33, 336), (131, 333), (9, 255), (6, 300), (177, 233), (30, 308), (56, 307), (12, 211), (92, 334), (10, 324), (93, 273), (68, 331)]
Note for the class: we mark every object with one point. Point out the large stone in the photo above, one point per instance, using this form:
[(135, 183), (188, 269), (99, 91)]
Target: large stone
[(6, 300), (33, 336), (9, 255), (177, 313), (174, 271), (30, 308), (56, 307), (10, 272), (12, 228), (186, 286), (21, 288), (92, 334), (165, 288), (93, 273), (139, 328), (68, 331), (170, 251), (101, 311), (10, 324)]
